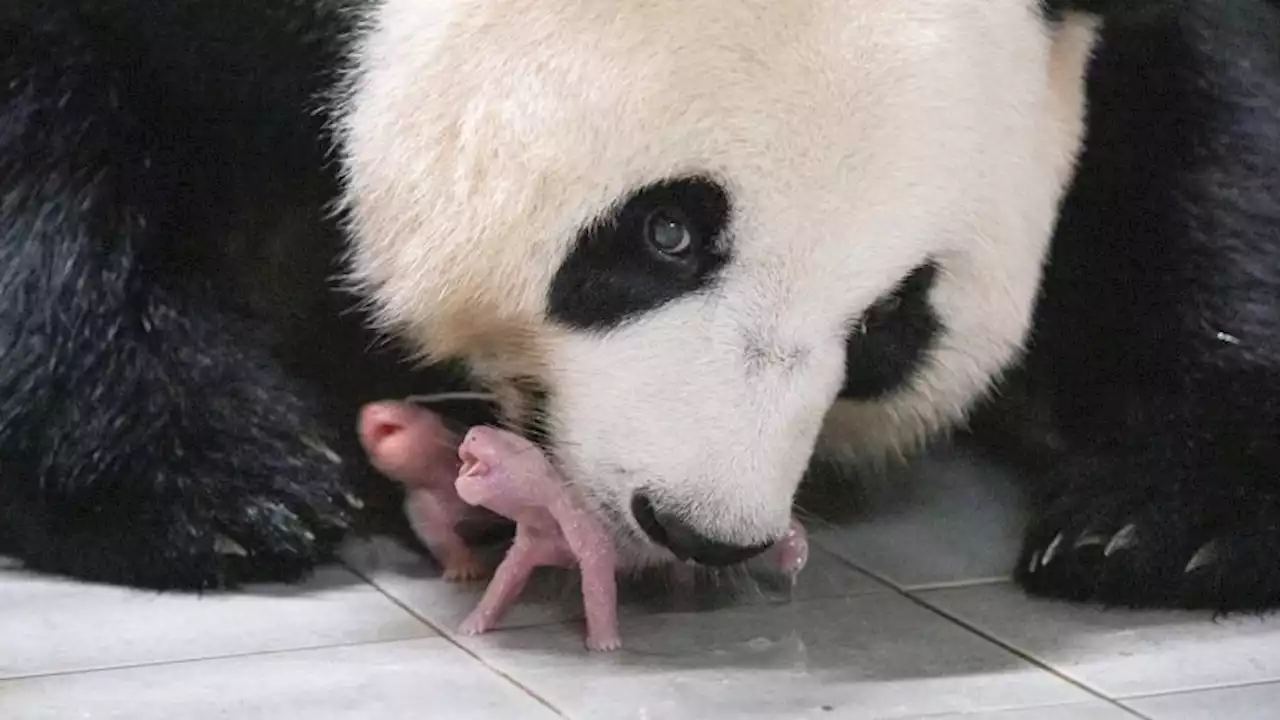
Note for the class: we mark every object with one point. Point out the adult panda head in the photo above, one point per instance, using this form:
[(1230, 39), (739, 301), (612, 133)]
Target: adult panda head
[(695, 224)]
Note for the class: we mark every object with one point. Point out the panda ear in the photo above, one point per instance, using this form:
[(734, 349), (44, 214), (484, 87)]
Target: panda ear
[(1106, 8)]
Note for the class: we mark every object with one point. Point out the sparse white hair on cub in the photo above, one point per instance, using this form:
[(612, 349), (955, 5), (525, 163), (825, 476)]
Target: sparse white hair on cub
[(854, 140)]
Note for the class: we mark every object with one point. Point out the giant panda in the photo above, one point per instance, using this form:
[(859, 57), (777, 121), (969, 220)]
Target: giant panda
[(688, 244)]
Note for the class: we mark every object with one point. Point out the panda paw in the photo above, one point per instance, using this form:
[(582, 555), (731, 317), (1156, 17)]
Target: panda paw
[(1112, 538), (276, 531), (209, 518)]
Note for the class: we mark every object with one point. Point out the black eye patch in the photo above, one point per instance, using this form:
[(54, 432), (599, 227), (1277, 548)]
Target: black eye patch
[(640, 258), (892, 339)]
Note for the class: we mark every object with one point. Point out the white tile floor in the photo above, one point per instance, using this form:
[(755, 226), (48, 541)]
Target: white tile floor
[(904, 615)]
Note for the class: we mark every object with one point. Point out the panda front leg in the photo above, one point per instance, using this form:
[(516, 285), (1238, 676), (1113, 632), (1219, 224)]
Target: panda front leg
[(1123, 532), (145, 442), (1158, 331), (147, 436)]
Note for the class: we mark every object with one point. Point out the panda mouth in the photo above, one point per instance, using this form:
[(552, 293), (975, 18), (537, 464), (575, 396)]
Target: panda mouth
[(530, 419)]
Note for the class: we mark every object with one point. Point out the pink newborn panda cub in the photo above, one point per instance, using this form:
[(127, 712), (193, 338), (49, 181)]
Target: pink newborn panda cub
[(498, 470), (505, 473), (510, 476), (413, 447)]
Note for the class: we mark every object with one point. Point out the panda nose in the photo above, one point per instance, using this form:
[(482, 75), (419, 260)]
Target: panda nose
[(673, 533)]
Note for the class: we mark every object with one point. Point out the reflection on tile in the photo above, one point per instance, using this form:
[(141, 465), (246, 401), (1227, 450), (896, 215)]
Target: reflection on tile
[(51, 624), (680, 589), (952, 518), (1122, 653), (410, 680), (877, 655), (1252, 702), (553, 596), (415, 581)]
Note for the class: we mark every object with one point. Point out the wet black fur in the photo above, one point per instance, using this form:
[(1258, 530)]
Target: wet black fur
[(1155, 363)]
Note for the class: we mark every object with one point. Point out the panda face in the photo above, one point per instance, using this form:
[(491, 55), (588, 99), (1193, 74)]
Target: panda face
[(697, 224)]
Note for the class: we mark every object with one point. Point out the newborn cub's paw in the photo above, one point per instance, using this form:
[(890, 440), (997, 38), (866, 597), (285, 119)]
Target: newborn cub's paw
[(477, 623), (609, 642), (467, 569)]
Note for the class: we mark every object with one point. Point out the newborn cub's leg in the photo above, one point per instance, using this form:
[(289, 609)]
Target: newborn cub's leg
[(504, 589), (509, 475), (411, 445), (599, 564)]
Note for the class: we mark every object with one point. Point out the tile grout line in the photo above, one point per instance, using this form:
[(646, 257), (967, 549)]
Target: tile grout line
[(909, 587), (209, 658), (1036, 662), (1242, 684), (448, 637), (956, 584), (952, 715), (1028, 657)]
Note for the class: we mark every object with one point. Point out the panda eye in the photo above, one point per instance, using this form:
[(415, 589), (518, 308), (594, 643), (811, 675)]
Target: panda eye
[(665, 241), (667, 232)]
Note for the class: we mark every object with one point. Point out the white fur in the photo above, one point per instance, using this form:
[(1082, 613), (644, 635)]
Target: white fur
[(856, 138)]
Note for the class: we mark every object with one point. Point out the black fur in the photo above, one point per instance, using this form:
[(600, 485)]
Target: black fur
[(613, 275), (1157, 341), (892, 338), (1113, 9), (162, 277)]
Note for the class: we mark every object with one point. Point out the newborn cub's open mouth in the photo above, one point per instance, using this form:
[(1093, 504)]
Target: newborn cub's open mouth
[(450, 480)]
